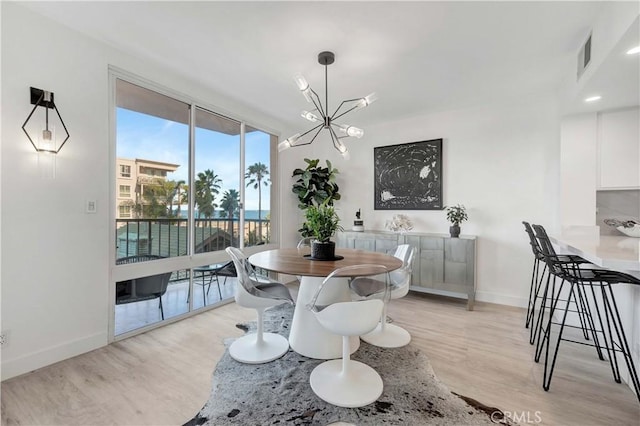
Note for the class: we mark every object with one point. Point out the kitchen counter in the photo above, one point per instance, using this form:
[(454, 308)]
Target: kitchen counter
[(613, 252)]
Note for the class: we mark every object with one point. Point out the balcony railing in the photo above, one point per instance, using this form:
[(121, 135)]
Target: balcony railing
[(169, 237)]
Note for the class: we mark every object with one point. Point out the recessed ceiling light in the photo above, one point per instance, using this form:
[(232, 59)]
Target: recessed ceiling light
[(593, 99), (634, 50)]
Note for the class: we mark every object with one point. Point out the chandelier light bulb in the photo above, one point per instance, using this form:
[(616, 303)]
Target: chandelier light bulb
[(355, 132), (293, 139), (303, 86), (340, 147), (351, 130), (310, 116), (367, 100), (284, 145), (301, 82), (288, 143)]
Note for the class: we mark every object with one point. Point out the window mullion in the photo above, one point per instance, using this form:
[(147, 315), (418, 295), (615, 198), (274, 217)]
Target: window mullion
[(192, 162), (242, 184)]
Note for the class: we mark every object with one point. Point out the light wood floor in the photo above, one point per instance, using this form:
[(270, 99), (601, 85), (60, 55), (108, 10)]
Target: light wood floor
[(162, 377)]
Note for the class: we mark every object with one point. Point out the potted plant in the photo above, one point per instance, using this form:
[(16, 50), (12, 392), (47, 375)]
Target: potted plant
[(456, 215), (322, 223), (315, 185)]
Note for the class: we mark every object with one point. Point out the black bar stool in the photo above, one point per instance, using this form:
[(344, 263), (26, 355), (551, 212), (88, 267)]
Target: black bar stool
[(583, 282), (537, 281)]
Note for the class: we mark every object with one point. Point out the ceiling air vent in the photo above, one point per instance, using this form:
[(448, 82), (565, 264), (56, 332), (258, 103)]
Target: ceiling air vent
[(584, 56)]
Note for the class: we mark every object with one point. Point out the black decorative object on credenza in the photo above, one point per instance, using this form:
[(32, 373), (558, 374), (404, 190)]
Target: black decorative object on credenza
[(358, 224), (408, 176)]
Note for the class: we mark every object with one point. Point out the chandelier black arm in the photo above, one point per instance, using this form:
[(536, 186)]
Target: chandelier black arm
[(334, 138), (312, 139), (318, 104), (334, 117), (311, 130)]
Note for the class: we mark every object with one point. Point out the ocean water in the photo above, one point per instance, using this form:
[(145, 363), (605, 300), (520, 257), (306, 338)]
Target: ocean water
[(248, 214)]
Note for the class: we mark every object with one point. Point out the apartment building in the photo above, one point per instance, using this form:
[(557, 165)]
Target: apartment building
[(132, 176)]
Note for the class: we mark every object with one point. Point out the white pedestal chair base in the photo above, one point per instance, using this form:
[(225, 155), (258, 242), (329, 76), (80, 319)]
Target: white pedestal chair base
[(246, 349), (308, 337), (360, 386), (391, 336)]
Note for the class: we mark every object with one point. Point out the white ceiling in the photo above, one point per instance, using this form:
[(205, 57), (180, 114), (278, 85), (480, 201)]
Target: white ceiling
[(418, 56), (616, 80)]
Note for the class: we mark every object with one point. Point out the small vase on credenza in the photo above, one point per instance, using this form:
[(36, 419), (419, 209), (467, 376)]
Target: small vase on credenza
[(456, 215)]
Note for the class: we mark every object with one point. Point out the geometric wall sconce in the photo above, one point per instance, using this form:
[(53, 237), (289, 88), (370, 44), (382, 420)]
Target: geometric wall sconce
[(42, 128)]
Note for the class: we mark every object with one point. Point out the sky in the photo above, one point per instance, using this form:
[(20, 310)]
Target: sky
[(151, 138)]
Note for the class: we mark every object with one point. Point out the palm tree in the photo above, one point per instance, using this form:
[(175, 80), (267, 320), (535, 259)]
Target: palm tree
[(174, 194), (207, 186), (182, 197), (256, 174), (230, 203), (156, 200)]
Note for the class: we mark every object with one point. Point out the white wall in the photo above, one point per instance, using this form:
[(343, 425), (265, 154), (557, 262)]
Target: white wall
[(500, 161), (55, 258), (578, 137)]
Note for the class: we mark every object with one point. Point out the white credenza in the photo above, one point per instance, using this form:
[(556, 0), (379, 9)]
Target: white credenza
[(442, 265)]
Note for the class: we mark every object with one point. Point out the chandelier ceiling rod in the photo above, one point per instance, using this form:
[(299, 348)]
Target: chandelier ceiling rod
[(326, 120)]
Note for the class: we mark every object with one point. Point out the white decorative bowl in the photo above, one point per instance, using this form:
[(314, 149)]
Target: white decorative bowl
[(633, 231)]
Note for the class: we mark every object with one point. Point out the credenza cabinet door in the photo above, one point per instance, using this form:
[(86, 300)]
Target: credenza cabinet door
[(458, 261), (428, 266)]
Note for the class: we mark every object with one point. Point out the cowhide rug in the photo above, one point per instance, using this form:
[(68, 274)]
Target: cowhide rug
[(278, 392)]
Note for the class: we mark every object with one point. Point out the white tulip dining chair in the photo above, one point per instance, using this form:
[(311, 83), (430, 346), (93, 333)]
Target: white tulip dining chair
[(259, 293), (345, 382), (387, 335)]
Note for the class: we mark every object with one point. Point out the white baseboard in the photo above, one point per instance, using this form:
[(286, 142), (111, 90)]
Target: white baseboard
[(24, 364), (501, 299)]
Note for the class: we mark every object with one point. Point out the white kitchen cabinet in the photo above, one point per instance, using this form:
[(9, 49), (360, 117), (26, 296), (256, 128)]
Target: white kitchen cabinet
[(619, 149)]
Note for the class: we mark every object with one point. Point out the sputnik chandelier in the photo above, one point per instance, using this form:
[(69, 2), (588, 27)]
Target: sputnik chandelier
[(321, 112)]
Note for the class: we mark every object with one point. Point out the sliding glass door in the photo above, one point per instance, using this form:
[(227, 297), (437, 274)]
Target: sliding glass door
[(179, 187)]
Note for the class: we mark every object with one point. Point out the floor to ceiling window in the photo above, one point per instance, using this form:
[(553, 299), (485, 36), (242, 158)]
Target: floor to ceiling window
[(217, 182), (179, 186)]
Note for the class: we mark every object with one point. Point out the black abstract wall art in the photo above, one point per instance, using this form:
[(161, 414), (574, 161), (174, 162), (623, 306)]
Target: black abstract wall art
[(408, 176)]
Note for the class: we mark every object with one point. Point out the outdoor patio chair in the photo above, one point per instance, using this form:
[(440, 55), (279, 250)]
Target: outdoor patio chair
[(143, 288)]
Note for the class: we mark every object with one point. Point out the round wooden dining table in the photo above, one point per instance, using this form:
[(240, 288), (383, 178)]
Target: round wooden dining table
[(307, 337)]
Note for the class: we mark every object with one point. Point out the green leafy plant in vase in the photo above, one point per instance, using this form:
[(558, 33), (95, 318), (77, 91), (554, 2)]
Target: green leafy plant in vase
[(456, 215), (314, 186), (322, 223)]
